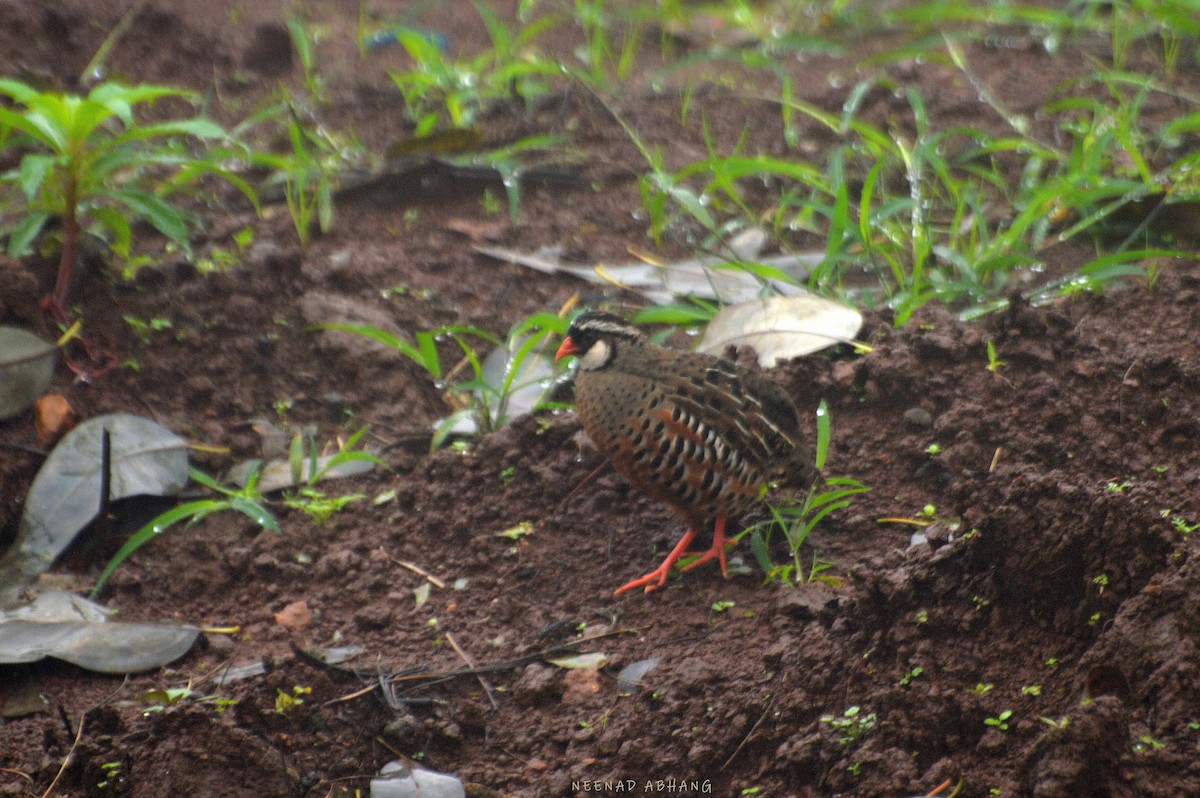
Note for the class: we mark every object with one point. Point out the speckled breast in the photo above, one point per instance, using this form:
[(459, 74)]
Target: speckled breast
[(671, 443)]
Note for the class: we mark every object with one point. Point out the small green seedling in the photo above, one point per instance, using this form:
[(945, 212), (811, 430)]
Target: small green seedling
[(522, 530), (999, 722), (142, 329), (852, 724), (114, 778), (1146, 744), (286, 702), (1183, 527), (797, 522), (308, 469), (994, 362)]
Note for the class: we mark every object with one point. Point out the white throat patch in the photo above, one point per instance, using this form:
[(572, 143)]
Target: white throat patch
[(596, 357)]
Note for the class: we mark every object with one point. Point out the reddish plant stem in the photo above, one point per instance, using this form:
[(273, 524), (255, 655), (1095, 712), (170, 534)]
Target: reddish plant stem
[(66, 266)]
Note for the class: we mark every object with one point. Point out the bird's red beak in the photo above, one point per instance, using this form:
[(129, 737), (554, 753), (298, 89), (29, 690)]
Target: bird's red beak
[(568, 348)]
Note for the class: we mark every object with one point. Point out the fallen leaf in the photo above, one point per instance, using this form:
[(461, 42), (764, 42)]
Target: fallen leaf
[(146, 459), (475, 230), (629, 680), (73, 629), (779, 328), (709, 277), (26, 368), (588, 661)]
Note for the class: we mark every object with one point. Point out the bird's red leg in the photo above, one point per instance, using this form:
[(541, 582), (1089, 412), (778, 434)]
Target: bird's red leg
[(716, 551), (658, 577)]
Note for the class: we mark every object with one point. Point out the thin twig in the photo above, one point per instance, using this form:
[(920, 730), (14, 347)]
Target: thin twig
[(487, 688), (749, 734), (416, 569), (583, 482), (67, 759), (351, 696)]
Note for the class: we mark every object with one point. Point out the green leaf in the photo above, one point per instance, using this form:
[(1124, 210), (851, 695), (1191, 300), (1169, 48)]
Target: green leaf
[(296, 459), (381, 336), (24, 232), (197, 127), (152, 530), (118, 226), (758, 546), (823, 433), (41, 128), (83, 118), (255, 511), (168, 220), (21, 92), (32, 173), (118, 95), (324, 205)]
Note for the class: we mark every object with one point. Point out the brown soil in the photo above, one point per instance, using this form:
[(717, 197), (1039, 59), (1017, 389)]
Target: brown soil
[(1064, 573)]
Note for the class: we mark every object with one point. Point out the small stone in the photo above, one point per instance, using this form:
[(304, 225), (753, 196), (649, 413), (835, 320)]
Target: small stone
[(295, 615), (537, 684), (220, 645), (582, 684), (372, 616), (404, 727), (844, 373), (918, 417)]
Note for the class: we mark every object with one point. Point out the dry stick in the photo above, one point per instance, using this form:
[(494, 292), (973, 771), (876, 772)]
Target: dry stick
[(416, 569), (79, 732), (67, 759), (941, 787), (443, 676), (749, 734), (583, 482), (487, 688)]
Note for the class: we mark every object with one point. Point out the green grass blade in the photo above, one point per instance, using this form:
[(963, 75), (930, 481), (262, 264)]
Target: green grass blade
[(152, 530), (823, 432)]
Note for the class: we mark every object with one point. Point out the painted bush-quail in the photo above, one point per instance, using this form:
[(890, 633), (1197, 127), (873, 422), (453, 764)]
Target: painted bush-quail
[(692, 430)]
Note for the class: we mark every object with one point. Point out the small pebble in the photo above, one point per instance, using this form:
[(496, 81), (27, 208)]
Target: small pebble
[(918, 417)]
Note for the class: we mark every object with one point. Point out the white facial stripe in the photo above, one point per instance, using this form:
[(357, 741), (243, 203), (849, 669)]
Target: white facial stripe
[(609, 327), (596, 357)]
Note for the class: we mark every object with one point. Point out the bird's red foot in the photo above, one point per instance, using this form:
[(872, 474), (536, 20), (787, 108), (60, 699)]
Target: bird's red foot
[(658, 577), (715, 552)]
